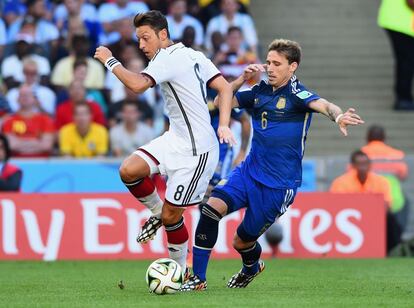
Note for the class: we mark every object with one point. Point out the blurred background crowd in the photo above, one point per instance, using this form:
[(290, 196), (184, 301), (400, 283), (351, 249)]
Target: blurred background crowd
[(57, 100)]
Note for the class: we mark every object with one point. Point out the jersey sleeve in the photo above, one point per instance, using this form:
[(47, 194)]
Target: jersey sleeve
[(161, 69), (246, 97), (304, 96), (208, 70)]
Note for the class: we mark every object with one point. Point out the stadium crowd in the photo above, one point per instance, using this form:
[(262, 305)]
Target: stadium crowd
[(56, 99)]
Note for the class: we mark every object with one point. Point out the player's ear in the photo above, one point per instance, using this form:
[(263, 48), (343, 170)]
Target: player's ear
[(163, 34), (293, 67)]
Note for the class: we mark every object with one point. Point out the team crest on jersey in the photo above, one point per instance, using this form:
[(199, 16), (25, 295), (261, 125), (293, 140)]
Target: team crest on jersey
[(281, 102)]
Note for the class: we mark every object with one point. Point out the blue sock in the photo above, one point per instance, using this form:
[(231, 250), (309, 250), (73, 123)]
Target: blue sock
[(250, 257), (205, 238)]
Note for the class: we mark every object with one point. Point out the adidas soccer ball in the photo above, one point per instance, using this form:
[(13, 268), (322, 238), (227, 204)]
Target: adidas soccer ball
[(164, 276)]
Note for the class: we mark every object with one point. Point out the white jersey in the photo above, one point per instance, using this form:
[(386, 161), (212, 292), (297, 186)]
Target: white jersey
[(183, 74)]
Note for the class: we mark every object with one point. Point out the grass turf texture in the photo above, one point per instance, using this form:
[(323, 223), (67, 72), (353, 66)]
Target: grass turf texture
[(288, 283)]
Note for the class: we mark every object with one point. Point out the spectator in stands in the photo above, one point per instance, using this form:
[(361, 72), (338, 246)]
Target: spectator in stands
[(83, 138), (396, 17), (45, 97), (211, 8), (80, 71), (12, 66), (131, 133), (119, 92), (78, 17), (46, 34), (360, 179), (10, 175), (3, 40), (110, 14), (230, 17), (77, 96), (126, 38), (12, 10), (389, 162), (30, 133), (232, 59), (62, 74), (178, 20), (4, 105)]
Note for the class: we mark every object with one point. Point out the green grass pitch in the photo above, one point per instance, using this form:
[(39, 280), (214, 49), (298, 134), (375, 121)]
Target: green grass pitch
[(287, 283)]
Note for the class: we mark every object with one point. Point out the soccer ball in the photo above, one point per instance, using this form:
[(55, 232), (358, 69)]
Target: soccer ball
[(164, 276)]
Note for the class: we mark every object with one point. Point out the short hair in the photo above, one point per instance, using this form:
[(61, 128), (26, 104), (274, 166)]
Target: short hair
[(155, 19), (6, 146), (376, 133), (83, 104), (79, 62), (29, 61), (130, 103), (290, 49), (234, 28), (357, 153)]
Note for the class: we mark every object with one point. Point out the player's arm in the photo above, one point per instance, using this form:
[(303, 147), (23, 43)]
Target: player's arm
[(137, 83), (224, 98), (245, 137), (249, 72), (336, 114)]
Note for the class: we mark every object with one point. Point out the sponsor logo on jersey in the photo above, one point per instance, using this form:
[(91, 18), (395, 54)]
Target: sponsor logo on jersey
[(281, 102), (304, 94)]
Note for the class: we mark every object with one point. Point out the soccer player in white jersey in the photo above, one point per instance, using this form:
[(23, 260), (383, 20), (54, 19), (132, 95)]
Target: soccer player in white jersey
[(188, 152)]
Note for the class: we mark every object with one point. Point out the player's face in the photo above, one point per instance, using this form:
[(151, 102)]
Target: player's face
[(149, 41), (279, 71)]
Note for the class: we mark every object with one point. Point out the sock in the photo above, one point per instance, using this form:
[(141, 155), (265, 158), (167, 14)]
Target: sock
[(205, 239), (250, 257), (144, 190), (177, 238)]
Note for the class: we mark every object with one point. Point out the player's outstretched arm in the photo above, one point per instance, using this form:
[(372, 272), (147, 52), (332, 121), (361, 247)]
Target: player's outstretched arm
[(335, 113), (137, 83), (224, 98)]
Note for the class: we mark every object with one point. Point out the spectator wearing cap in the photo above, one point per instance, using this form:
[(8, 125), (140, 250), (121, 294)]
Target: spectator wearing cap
[(45, 33), (62, 74), (83, 138), (10, 175), (178, 20), (12, 10), (110, 13), (45, 97), (30, 133), (12, 66), (77, 96), (230, 17)]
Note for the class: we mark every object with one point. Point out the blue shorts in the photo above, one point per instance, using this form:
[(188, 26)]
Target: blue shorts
[(264, 204)]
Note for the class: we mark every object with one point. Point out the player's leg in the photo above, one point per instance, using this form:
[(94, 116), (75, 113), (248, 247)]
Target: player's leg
[(177, 234), (135, 171), (225, 199), (265, 205)]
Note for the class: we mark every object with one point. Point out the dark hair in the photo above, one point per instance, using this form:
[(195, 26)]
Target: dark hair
[(6, 146), (155, 19), (376, 133), (290, 49), (130, 103), (357, 153), (234, 28), (79, 62), (83, 104)]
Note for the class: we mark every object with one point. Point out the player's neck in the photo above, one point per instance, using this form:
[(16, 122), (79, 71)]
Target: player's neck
[(167, 44)]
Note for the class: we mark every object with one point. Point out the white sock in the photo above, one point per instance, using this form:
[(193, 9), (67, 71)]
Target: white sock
[(153, 202), (178, 252)]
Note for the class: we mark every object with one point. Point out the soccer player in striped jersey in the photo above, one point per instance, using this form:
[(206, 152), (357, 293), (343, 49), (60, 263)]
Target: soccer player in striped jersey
[(188, 152), (266, 182)]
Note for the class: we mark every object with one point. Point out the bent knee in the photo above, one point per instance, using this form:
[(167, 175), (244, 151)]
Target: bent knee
[(132, 169)]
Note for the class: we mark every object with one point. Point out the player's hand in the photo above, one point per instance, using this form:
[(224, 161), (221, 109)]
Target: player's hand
[(226, 135), (102, 54), (349, 118), (251, 70)]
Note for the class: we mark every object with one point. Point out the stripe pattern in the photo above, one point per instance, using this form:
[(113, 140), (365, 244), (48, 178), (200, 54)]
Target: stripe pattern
[(176, 226), (287, 201), (196, 177), (207, 212), (133, 183), (305, 123), (187, 122)]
